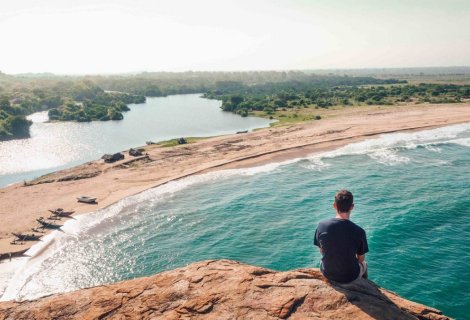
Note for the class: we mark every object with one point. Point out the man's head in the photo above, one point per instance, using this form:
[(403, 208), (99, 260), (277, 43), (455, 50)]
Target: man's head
[(344, 201)]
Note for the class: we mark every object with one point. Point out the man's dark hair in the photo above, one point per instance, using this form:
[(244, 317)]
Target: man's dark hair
[(344, 200)]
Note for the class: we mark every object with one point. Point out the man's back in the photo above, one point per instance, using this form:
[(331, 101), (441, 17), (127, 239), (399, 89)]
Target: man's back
[(341, 242)]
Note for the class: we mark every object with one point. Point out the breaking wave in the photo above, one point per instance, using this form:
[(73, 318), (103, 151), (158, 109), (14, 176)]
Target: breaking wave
[(387, 148)]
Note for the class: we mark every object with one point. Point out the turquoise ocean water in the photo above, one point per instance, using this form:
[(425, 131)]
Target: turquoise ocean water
[(412, 195)]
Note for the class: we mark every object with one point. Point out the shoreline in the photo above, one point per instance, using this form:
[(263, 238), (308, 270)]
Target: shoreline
[(50, 147), (269, 145)]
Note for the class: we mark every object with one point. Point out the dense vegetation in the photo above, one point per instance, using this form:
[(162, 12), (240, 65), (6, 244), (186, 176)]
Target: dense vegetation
[(73, 98), (158, 84), (66, 98), (12, 123), (243, 99), (84, 98), (102, 106)]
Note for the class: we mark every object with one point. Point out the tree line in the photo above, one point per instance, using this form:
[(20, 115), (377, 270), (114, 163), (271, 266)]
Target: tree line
[(93, 98), (243, 100)]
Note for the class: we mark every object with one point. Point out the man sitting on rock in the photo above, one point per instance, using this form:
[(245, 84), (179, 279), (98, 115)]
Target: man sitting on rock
[(342, 243)]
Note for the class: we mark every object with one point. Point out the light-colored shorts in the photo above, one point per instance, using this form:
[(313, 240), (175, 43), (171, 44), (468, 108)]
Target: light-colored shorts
[(363, 269)]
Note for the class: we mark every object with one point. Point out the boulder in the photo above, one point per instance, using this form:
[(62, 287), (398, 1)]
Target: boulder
[(224, 289), (109, 158), (135, 152)]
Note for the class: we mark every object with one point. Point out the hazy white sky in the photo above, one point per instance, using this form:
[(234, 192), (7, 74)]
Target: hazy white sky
[(111, 36)]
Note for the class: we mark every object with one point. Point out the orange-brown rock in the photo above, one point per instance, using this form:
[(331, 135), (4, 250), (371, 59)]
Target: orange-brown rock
[(223, 289)]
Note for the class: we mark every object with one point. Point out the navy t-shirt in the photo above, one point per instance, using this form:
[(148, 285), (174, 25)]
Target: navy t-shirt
[(341, 240)]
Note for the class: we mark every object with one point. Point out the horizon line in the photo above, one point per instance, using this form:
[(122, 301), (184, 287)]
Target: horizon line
[(234, 71)]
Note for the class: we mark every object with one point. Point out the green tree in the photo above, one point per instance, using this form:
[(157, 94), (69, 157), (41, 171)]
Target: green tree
[(18, 126)]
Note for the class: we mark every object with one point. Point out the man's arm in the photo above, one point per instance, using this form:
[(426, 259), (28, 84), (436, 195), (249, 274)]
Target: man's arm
[(363, 248), (316, 241)]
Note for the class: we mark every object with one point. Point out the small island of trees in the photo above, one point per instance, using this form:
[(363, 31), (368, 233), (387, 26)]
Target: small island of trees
[(65, 99), (91, 103)]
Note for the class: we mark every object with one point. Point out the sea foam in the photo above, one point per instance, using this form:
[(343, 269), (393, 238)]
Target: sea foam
[(386, 148)]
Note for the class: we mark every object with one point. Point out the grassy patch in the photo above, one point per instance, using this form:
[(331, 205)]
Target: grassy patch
[(174, 142), (290, 116), (457, 79)]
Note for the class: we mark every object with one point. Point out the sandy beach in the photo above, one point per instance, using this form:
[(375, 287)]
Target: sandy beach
[(21, 205)]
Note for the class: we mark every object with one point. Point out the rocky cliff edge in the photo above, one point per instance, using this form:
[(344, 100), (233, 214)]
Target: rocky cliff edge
[(223, 289)]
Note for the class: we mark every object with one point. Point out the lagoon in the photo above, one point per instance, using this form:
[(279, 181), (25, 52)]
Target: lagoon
[(58, 145)]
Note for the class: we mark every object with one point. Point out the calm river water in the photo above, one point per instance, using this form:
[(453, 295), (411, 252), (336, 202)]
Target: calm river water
[(54, 146)]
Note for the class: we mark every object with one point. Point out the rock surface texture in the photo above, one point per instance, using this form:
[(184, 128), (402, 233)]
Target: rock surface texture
[(223, 289)]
